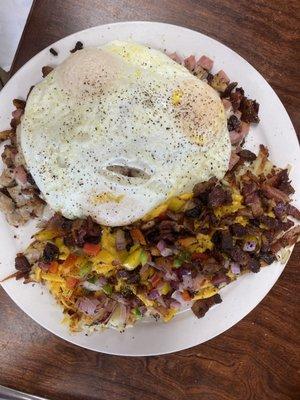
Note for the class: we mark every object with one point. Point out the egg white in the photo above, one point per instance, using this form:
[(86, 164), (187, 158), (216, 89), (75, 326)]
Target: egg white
[(121, 105)]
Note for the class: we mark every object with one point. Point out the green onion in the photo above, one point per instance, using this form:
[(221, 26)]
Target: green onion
[(107, 289), (85, 269), (144, 258), (136, 312), (177, 263)]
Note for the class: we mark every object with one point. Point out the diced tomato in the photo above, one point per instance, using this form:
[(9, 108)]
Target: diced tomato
[(91, 249), (186, 296), (71, 282), (53, 267), (199, 256), (138, 236), (155, 279), (70, 260)]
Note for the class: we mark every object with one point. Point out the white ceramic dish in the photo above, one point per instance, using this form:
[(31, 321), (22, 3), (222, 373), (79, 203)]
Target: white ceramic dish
[(275, 130)]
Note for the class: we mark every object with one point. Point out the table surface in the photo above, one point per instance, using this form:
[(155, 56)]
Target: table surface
[(257, 358)]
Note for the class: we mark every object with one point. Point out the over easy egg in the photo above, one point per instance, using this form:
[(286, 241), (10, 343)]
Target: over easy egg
[(113, 132)]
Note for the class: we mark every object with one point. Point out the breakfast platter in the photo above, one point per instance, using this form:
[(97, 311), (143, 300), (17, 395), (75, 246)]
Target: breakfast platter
[(132, 132)]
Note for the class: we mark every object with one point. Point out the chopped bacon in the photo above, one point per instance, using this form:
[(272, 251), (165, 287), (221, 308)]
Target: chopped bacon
[(205, 62)]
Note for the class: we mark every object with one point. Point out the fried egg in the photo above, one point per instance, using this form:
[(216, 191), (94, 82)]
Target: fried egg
[(114, 131)]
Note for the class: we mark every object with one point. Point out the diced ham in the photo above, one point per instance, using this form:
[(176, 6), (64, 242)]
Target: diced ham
[(20, 174), (205, 62), (175, 57), (223, 76), (190, 63), (234, 159), (226, 104), (237, 137), (17, 113)]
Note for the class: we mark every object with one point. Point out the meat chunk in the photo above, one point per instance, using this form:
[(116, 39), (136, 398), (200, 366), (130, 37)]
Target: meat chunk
[(9, 155), (190, 63), (46, 70), (205, 62), (236, 97), (288, 239), (219, 197), (21, 263), (249, 109), (233, 123), (247, 155), (200, 307), (223, 240), (50, 252), (4, 135), (228, 90), (273, 193), (203, 187), (240, 256), (78, 46)]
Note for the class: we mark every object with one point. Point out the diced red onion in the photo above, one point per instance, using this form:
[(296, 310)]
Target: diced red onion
[(177, 295), (235, 268), (120, 240), (44, 266), (93, 287), (102, 280), (88, 306), (164, 250), (154, 294), (250, 245), (175, 304), (161, 301), (119, 316)]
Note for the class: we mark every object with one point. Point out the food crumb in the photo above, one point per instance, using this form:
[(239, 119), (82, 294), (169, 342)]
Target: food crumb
[(53, 52)]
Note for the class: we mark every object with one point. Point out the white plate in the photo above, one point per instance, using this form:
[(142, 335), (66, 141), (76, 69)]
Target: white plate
[(275, 130)]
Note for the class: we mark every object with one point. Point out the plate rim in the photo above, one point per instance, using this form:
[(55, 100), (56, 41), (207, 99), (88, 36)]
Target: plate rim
[(217, 42)]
